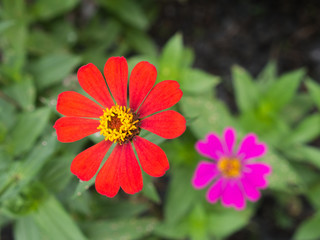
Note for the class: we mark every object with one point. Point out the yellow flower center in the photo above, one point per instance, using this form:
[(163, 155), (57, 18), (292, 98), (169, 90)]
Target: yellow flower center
[(118, 124), (229, 167)]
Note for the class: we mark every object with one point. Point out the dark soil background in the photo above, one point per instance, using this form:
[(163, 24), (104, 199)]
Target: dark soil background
[(248, 33), (245, 32)]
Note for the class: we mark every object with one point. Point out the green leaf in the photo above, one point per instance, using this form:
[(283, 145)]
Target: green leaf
[(14, 8), (129, 229), (41, 43), (4, 25), (56, 174), (181, 151), (14, 52), (225, 221), (5, 163), (121, 209), (122, 49), (187, 58), (171, 59), (306, 131), (24, 171), (283, 90), (81, 205), (309, 229), (267, 76), (26, 229), (65, 33), (172, 231), (26, 201), (181, 196), (264, 124), (313, 193), (46, 9), (83, 186), (210, 114), (128, 11), (23, 92), (55, 222), (141, 42), (94, 35), (281, 167), (197, 81), (303, 153), (198, 223), (149, 189), (13, 46), (28, 128), (314, 90), (133, 61), (246, 92), (7, 118), (296, 110), (40, 153), (97, 41), (53, 69)]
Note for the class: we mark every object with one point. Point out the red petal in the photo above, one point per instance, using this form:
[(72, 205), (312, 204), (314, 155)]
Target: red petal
[(74, 104), (162, 96), (107, 180), (116, 73), (168, 124), (130, 173), (86, 164), (142, 79), (152, 158), (92, 81), (70, 129)]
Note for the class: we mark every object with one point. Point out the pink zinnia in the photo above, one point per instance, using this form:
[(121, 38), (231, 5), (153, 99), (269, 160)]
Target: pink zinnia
[(235, 174)]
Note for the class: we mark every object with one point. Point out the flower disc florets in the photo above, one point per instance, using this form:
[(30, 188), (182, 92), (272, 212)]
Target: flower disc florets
[(118, 124), (229, 167)]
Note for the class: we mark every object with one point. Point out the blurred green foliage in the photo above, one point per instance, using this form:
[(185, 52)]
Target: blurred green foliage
[(43, 42)]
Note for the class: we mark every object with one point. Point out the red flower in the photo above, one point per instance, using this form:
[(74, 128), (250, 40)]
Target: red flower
[(119, 124)]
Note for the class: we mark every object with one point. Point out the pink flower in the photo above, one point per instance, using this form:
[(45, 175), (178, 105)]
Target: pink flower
[(234, 173)]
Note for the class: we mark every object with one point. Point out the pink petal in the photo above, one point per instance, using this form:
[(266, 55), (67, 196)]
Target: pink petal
[(255, 173), (249, 148), (215, 191), (204, 174), (250, 190), (211, 147), (233, 196), (230, 138)]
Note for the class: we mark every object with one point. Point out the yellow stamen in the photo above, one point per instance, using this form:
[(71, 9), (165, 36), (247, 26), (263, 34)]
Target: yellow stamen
[(229, 167), (118, 124)]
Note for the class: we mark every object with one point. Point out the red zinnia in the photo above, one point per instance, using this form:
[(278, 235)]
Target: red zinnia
[(120, 124)]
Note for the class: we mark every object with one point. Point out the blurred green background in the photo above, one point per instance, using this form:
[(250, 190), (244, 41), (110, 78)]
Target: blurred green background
[(251, 65)]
